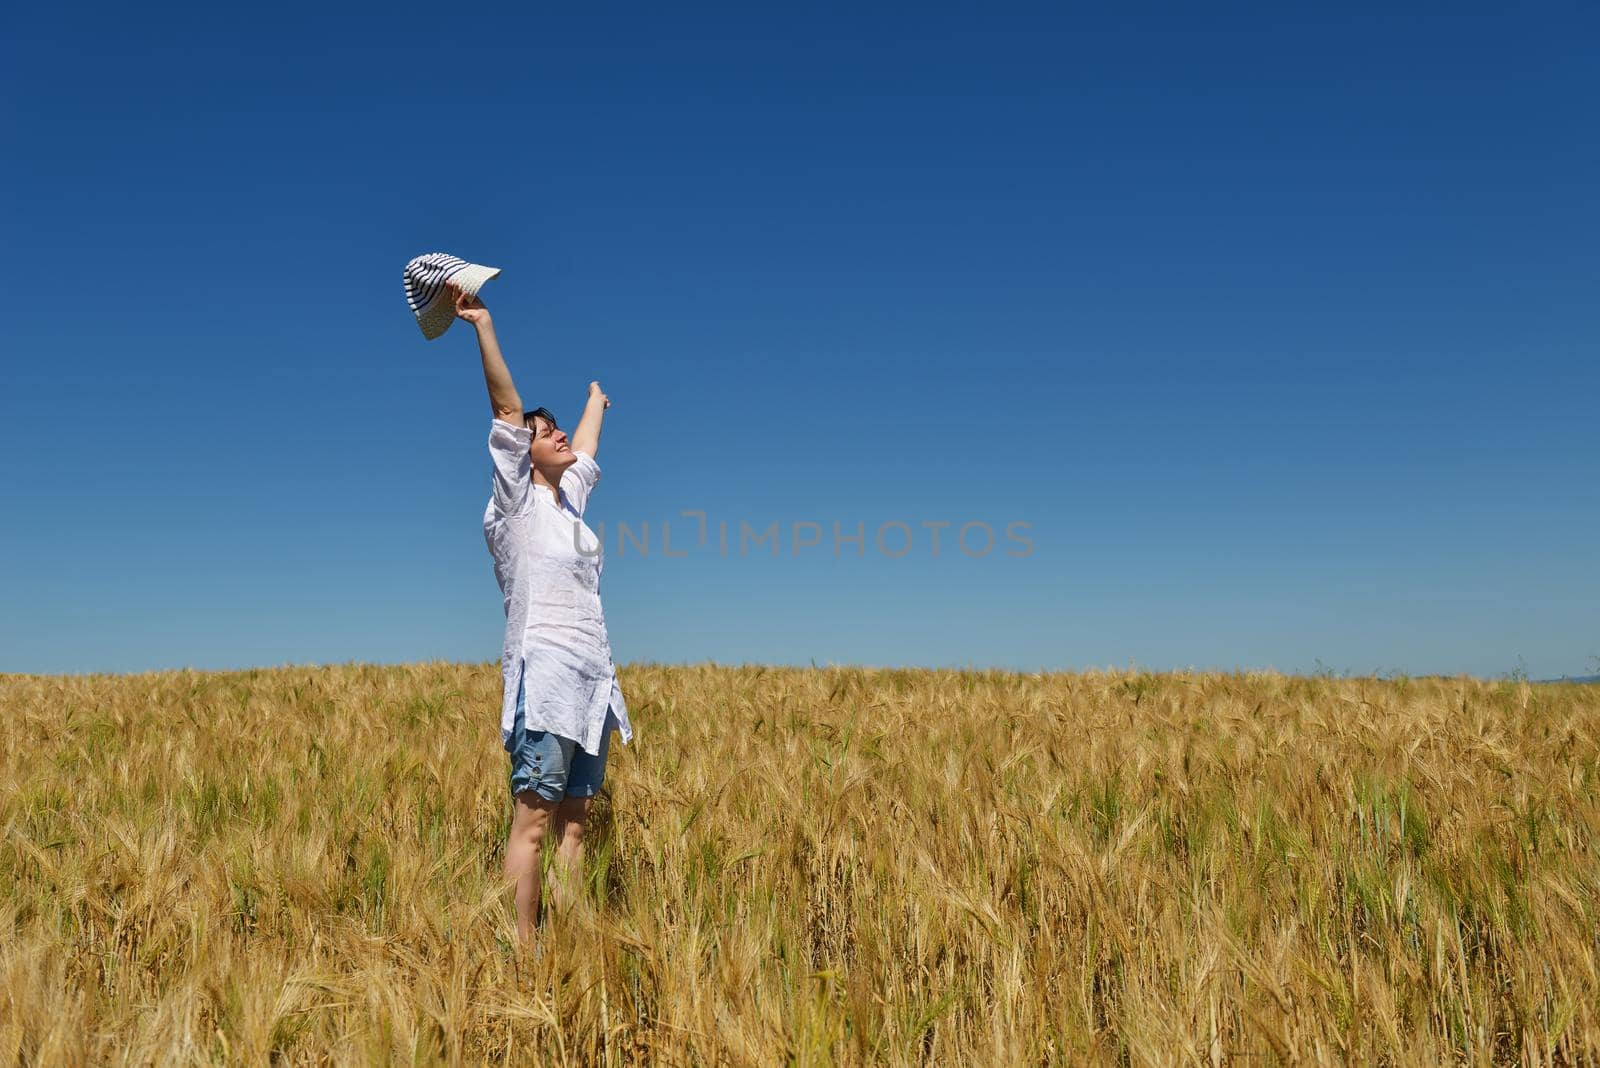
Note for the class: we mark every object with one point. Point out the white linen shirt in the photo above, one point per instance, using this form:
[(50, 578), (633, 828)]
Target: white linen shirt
[(548, 564)]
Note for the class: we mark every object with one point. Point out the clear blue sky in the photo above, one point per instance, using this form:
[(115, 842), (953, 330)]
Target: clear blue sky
[(1278, 328)]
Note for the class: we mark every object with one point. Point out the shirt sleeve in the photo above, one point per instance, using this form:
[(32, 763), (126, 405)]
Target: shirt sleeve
[(578, 481), (513, 468)]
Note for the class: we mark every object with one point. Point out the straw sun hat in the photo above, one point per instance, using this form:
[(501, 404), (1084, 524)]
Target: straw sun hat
[(430, 299)]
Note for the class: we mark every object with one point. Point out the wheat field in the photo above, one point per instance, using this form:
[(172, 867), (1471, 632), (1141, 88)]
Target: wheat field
[(789, 866)]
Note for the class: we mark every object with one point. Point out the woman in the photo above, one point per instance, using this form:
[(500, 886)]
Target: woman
[(560, 696)]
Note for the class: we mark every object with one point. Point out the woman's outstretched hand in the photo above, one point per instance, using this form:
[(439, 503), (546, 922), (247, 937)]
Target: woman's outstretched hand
[(469, 307), (595, 393)]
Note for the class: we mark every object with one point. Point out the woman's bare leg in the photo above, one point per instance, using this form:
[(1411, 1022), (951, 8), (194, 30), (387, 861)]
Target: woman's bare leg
[(571, 818), (529, 820)]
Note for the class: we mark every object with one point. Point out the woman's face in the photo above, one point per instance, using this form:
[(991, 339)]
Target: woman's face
[(549, 446)]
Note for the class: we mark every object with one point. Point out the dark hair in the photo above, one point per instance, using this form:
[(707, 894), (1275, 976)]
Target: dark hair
[(542, 413)]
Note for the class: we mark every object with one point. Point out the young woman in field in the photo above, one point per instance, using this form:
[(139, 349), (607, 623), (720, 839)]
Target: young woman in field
[(560, 696)]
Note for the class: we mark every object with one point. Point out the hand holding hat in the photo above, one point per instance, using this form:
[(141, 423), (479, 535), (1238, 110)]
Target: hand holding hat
[(469, 307)]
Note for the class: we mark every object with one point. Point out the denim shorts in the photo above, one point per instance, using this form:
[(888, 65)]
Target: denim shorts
[(552, 766)]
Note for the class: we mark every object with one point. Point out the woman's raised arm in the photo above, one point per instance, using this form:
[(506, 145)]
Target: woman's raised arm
[(503, 397), (586, 438)]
